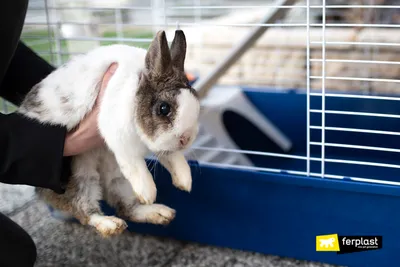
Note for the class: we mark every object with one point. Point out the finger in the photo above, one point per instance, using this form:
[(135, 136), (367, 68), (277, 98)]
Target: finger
[(109, 73), (106, 78)]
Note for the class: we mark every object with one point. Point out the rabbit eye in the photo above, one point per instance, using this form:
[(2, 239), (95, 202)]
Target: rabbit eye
[(165, 109)]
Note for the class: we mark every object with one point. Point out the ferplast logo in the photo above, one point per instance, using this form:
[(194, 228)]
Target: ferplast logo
[(347, 244), (328, 243)]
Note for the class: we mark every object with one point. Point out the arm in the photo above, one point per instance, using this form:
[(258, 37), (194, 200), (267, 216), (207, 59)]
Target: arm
[(30, 153), (25, 70)]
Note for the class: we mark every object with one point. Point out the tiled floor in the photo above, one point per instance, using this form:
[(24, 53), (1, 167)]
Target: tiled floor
[(66, 244)]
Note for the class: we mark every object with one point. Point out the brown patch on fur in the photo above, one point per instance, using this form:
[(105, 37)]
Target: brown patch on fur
[(57, 201), (32, 101), (123, 210), (76, 199), (75, 202), (64, 100), (162, 81)]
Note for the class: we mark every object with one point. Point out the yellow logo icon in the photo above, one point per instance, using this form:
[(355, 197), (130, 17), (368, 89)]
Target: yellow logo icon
[(328, 242)]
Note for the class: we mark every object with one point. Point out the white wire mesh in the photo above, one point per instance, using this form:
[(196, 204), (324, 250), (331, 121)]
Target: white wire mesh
[(350, 47), (91, 27)]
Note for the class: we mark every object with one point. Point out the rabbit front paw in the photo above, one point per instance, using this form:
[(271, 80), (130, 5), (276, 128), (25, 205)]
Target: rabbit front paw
[(179, 169), (146, 193), (141, 181), (144, 187), (183, 178)]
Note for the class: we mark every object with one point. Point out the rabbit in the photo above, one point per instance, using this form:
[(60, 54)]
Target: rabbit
[(148, 107)]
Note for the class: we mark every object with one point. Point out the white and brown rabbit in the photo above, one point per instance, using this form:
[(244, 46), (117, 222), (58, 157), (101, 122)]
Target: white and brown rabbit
[(148, 106)]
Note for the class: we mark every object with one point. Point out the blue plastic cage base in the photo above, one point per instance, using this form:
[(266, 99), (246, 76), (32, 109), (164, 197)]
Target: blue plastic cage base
[(281, 214), (278, 214)]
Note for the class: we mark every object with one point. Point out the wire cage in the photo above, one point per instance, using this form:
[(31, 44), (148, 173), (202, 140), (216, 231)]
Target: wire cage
[(300, 133)]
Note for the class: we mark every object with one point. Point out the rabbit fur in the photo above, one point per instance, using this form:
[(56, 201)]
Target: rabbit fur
[(148, 106)]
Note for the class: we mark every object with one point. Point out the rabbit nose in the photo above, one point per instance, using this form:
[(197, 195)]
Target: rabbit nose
[(184, 138)]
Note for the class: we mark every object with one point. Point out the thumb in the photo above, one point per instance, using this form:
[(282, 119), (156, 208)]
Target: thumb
[(106, 78)]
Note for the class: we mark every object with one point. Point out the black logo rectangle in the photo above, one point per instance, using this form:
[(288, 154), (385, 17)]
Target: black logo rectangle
[(351, 244)]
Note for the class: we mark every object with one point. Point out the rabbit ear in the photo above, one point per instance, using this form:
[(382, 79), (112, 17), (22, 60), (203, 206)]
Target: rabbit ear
[(158, 58), (178, 50)]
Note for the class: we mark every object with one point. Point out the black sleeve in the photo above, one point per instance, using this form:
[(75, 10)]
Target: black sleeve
[(24, 71), (30, 153)]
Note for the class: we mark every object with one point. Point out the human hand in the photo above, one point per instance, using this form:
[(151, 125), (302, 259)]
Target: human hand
[(86, 136)]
